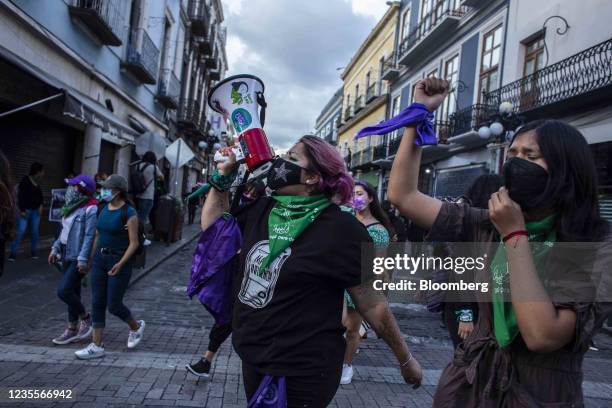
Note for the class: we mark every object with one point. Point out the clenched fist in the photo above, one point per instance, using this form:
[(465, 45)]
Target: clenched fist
[(431, 92)]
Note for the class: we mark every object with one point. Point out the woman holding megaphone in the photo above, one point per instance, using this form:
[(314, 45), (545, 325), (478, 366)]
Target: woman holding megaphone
[(526, 349), (299, 253)]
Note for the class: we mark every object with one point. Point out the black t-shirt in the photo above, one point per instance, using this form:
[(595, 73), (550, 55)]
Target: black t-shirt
[(290, 322)]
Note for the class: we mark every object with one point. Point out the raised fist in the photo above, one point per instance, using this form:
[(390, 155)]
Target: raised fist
[(431, 92)]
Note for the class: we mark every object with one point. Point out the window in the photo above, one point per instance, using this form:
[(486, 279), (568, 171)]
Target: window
[(489, 63), (178, 55), (347, 108), (405, 24), (356, 91), (335, 129), (395, 110), (432, 73), (534, 55), (367, 80), (327, 129), (451, 74)]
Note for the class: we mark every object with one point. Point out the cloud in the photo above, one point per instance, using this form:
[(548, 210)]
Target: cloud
[(295, 47)]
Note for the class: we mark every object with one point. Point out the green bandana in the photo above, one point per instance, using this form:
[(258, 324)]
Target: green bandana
[(68, 208), (290, 216), (504, 319)]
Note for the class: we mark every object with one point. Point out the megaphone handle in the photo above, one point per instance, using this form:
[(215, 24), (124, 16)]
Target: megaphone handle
[(238, 193), (261, 100)]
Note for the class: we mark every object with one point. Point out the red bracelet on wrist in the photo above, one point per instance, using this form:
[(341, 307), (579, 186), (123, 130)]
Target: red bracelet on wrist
[(514, 234)]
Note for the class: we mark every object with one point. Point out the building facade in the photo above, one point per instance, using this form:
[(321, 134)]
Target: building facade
[(366, 95), (330, 119), (90, 85)]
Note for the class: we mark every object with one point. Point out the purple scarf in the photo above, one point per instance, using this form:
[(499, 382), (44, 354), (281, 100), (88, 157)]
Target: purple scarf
[(415, 114), (212, 267), (272, 393)]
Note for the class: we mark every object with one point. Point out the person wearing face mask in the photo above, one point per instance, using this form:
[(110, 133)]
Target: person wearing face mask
[(71, 250), (370, 213), (298, 254), (115, 242), (526, 348)]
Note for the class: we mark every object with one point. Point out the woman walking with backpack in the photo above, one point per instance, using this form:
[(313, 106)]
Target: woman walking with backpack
[(115, 243), (143, 184), (72, 251)]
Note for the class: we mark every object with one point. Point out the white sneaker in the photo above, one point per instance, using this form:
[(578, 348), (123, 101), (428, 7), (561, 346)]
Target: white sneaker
[(135, 336), (89, 352), (347, 374), (146, 242)]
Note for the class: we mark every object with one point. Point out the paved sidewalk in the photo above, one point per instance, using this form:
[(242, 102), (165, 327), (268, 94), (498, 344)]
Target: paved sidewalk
[(177, 333)]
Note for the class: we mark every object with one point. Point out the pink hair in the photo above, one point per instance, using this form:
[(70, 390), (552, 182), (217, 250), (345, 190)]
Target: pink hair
[(327, 162)]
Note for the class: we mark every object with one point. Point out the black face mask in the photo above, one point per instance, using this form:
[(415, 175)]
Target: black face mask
[(526, 181), (283, 173)]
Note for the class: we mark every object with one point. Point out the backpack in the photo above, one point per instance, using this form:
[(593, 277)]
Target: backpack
[(137, 178), (141, 233)]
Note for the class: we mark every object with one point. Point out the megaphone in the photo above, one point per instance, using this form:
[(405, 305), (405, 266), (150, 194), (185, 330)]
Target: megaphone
[(238, 98)]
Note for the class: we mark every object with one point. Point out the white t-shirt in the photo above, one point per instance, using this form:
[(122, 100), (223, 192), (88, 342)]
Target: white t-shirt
[(69, 220), (150, 172)]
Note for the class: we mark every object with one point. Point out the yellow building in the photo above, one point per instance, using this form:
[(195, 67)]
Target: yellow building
[(366, 95)]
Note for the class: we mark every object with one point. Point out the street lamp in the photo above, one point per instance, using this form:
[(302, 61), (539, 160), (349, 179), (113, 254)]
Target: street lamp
[(503, 123)]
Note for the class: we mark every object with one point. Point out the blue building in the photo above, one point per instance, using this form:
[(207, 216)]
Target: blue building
[(329, 120), (89, 85)]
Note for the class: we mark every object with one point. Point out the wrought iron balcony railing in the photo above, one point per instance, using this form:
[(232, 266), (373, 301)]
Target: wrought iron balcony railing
[(444, 15), (169, 89), (371, 93), (359, 103), (189, 114), (390, 68), (142, 57), (199, 14), (362, 157), (470, 119), (582, 73), (214, 74), (211, 60), (102, 17), (394, 142)]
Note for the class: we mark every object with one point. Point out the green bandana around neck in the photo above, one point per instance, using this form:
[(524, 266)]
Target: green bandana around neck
[(69, 208), (289, 217), (504, 319)]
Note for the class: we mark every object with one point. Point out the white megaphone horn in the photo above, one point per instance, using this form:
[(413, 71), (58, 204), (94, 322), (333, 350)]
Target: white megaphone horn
[(238, 98)]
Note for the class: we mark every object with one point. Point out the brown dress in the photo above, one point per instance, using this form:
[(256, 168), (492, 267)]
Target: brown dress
[(483, 375)]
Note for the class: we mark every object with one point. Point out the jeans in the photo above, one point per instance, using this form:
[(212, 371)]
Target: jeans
[(69, 290), (109, 290), (312, 391), (33, 218), (144, 209)]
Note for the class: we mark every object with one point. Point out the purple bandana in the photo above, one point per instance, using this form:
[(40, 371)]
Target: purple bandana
[(214, 262), (272, 393), (415, 114)]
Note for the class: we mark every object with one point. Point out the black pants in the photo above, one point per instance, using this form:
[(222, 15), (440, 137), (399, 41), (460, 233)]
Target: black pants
[(218, 334), (2, 249), (312, 391)]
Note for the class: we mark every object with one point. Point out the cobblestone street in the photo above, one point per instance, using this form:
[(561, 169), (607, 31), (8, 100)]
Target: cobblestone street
[(177, 332)]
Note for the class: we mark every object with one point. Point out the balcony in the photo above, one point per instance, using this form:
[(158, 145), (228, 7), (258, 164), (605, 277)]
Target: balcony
[(214, 74), (142, 57), (102, 17), (395, 142), (390, 69), (199, 14), (371, 93), (464, 124), (433, 26), (579, 81), (206, 43), (358, 103), (189, 114), (169, 89), (362, 158), (348, 113), (474, 3), (380, 152), (211, 60)]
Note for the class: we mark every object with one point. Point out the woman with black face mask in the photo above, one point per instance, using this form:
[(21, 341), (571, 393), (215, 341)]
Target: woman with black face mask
[(299, 253), (534, 327)]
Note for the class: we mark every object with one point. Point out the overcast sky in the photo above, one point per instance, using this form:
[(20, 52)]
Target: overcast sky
[(295, 47)]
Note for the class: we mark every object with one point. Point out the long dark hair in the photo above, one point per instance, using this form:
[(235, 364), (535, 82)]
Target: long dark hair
[(375, 208), (7, 205), (572, 181), (149, 157), (481, 189)]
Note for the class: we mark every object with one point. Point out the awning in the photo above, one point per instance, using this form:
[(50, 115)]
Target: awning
[(75, 104)]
